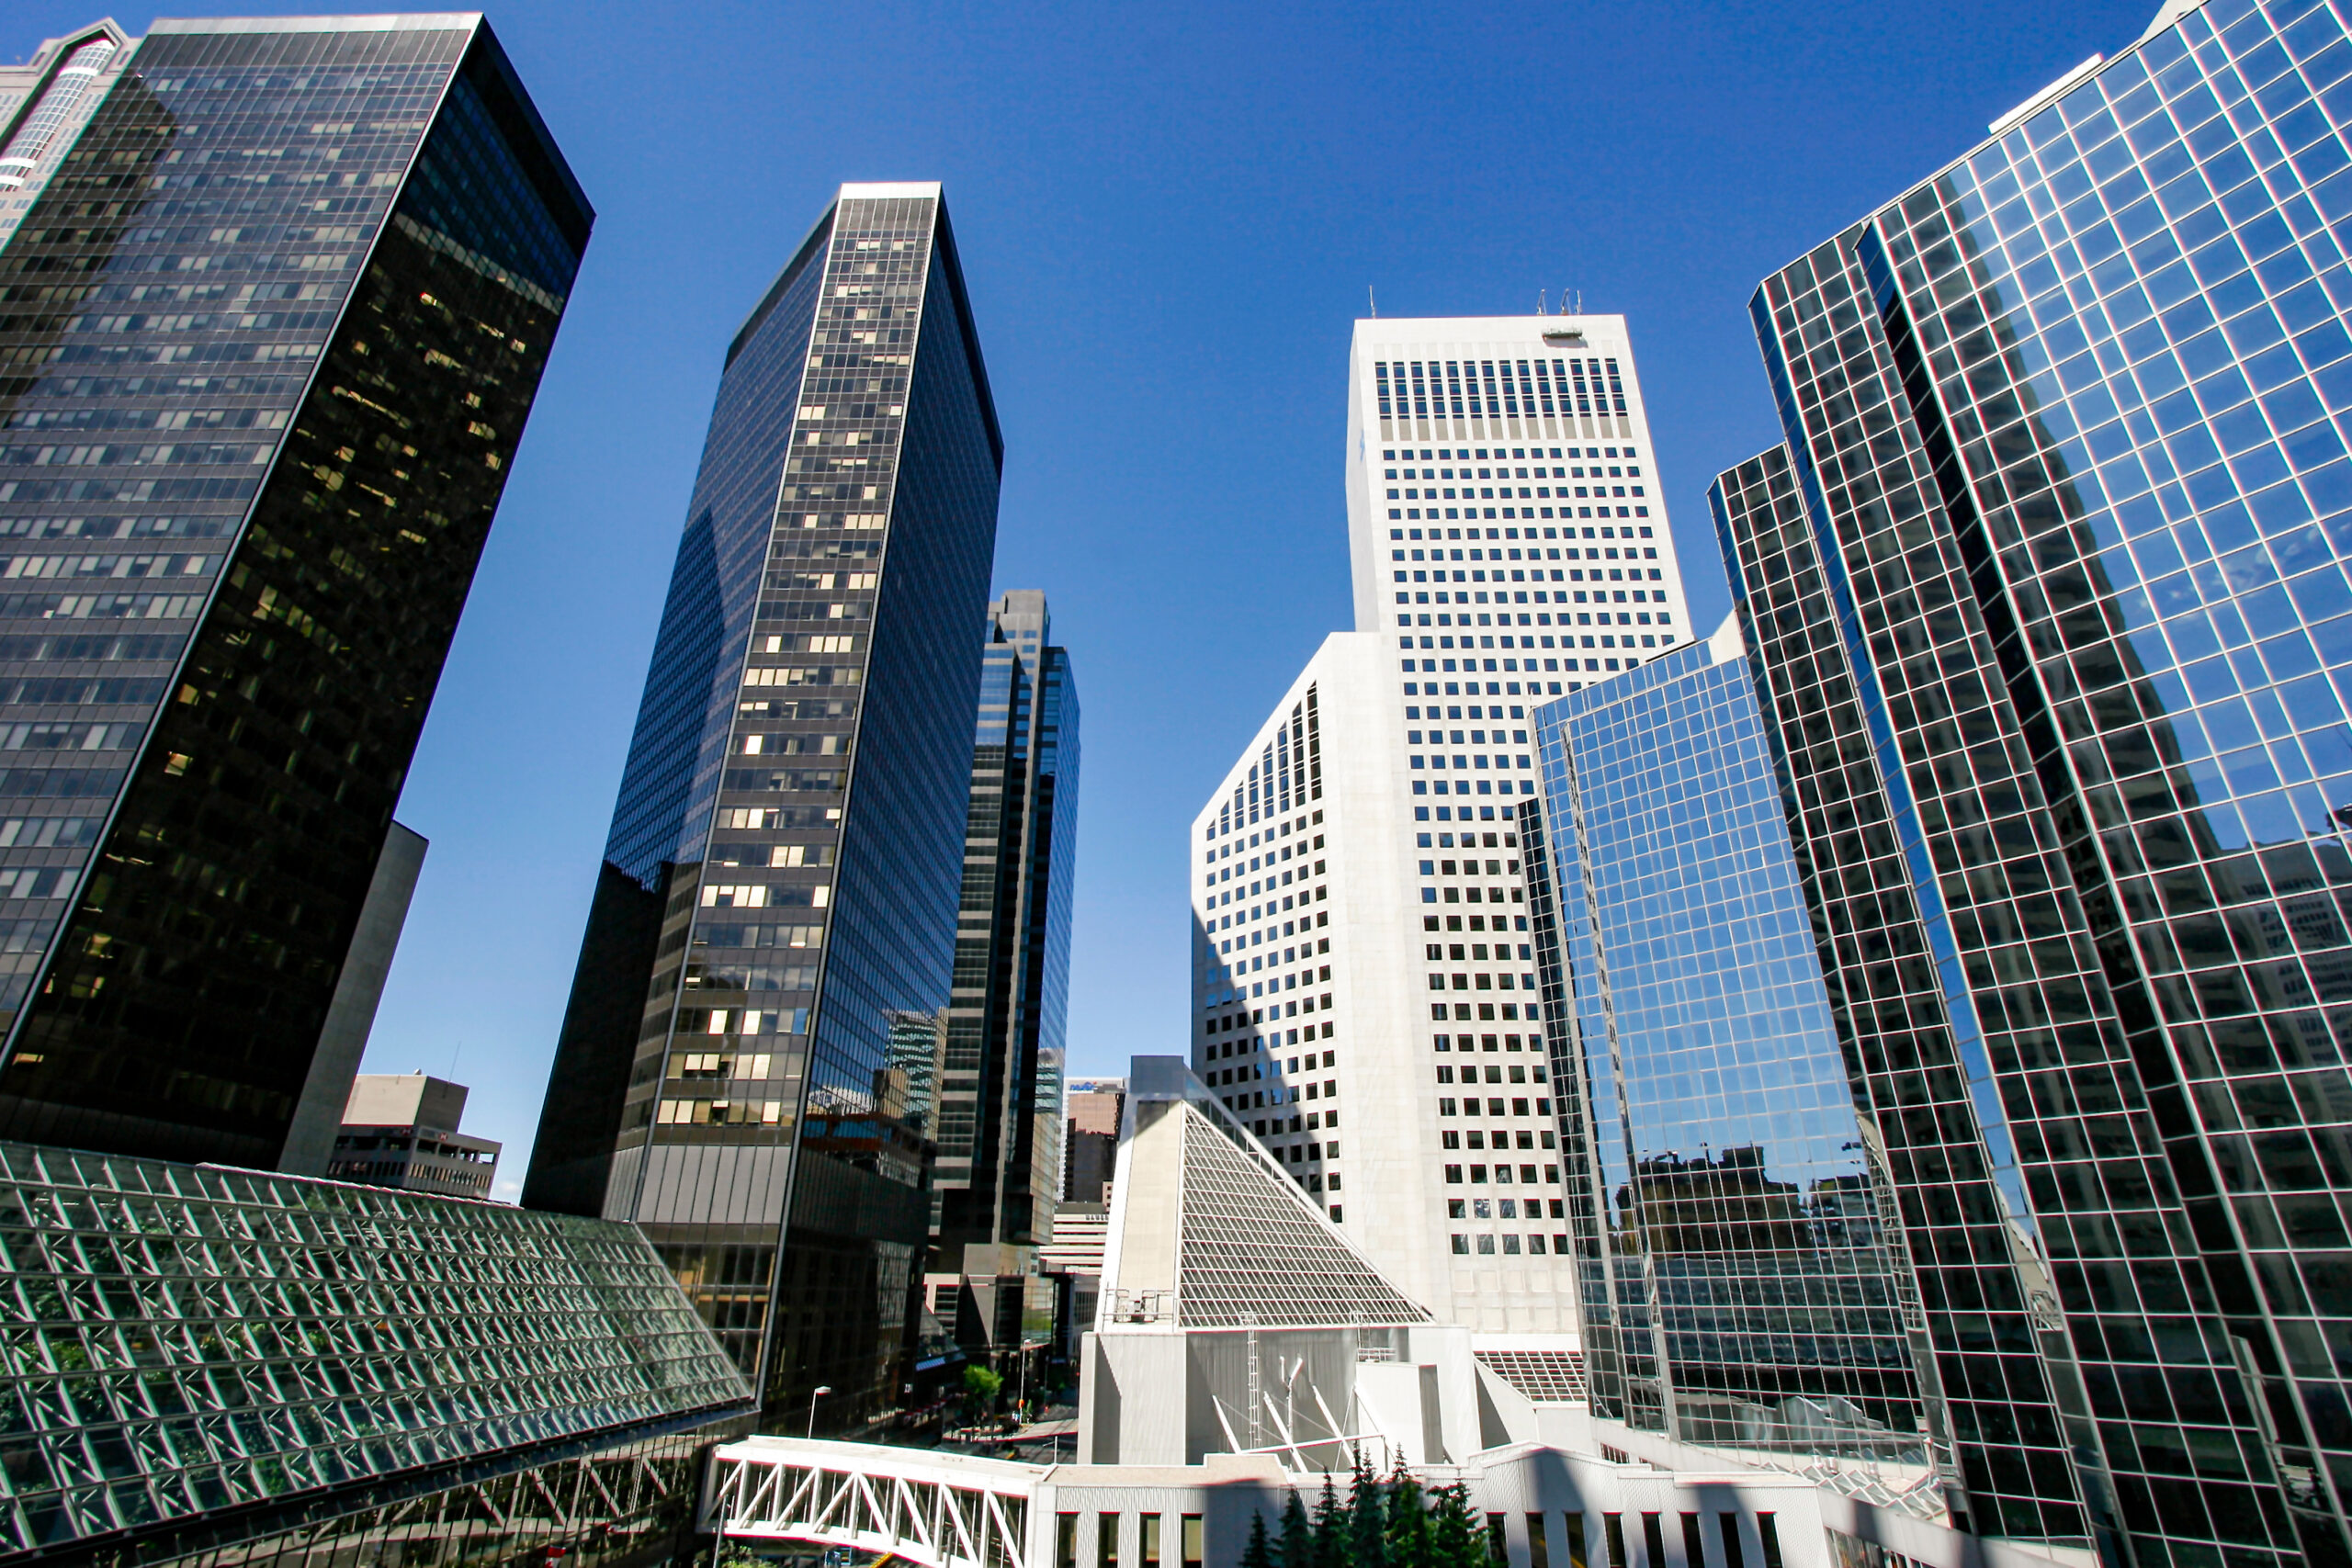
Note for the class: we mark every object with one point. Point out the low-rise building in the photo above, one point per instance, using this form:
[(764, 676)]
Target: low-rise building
[(400, 1130)]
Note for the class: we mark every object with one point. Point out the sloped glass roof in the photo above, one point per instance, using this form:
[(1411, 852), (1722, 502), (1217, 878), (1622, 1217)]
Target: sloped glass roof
[(177, 1339), (1252, 1245)]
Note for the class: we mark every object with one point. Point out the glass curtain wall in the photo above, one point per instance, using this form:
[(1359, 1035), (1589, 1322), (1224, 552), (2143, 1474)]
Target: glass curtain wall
[(784, 869), (1743, 1279), (253, 431), (2066, 505)]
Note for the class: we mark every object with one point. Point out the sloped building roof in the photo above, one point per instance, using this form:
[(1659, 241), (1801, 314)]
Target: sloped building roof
[(1245, 1244), (183, 1341)]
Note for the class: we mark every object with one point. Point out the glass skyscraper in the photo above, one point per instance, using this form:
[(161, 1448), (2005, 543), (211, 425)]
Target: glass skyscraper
[(271, 330), (2047, 602), (999, 1112), (1741, 1288), (780, 887)]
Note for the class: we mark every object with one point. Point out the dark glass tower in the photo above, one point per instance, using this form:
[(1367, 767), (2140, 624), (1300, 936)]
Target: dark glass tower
[(268, 341), (2047, 599), (1741, 1285), (999, 1092), (778, 908)]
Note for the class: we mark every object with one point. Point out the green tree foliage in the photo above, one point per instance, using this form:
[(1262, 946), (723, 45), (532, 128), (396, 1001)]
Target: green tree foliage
[(1258, 1554), (1298, 1536), (1331, 1528), (1410, 1541), (1367, 1521), (1456, 1536), (1387, 1522)]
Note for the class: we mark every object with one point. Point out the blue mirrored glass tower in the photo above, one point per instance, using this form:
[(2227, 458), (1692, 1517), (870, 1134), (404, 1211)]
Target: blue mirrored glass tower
[(779, 892), (1742, 1282), (2048, 602)]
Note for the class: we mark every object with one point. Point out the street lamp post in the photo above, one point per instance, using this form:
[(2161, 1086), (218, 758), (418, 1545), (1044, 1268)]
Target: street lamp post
[(819, 1392)]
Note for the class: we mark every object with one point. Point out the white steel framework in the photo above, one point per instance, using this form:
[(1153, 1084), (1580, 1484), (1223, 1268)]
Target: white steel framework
[(934, 1509)]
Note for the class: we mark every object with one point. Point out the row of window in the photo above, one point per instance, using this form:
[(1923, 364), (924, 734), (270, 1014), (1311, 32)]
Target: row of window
[(1510, 1012), (1437, 533), (1517, 454), (1466, 1044), (1227, 1023), (1584, 618), (1477, 737), (1469, 868), (1456, 713), (1493, 1107), (1276, 853), (1283, 1093), (1437, 762), (1464, 980), (1472, 512), (1614, 473), (1487, 492), (1218, 900), (1485, 1245), (1504, 1175), (1615, 575), (1504, 1139), (1501, 1208), (1605, 552), (1445, 380)]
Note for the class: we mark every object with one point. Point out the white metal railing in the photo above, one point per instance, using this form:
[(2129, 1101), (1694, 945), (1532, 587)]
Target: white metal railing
[(1138, 1307), (935, 1509)]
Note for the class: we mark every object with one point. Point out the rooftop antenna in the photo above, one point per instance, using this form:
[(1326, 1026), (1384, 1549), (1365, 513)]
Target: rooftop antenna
[(1541, 308), (1372, 300)]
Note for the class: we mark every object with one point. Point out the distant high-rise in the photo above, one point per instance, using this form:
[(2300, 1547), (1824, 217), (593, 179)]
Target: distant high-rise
[(44, 104), (1090, 1145), (998, 1106), (2047, 597), (774, 926), (1362, 856), (253, 431), (1740, 1287)]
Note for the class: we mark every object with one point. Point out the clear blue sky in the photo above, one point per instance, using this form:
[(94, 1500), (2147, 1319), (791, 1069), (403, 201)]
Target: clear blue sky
[(1168, 216)]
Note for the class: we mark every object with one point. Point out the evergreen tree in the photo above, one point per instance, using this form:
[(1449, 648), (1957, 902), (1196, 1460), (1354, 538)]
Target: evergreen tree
[(1298, 1536), (1332, 1529), (1454, 1536), (1368, 1520), (1258, 1554), (1408, 1543)]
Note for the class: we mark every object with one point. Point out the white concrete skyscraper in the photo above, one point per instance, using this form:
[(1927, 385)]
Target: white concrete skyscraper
[(1363, 982)]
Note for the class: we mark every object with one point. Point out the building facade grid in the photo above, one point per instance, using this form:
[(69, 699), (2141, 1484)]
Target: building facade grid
[(2067, 424)]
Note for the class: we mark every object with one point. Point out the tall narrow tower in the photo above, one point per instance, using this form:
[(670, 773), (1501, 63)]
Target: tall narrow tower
[(255, 431), (1000, 1097), (780, 887)]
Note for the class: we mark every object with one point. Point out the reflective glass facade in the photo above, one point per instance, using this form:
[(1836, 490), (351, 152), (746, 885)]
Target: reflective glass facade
[(780, 889), (268, 341), (2048, 602), (1742, 1284), (998, 1109), (224, 1362)]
